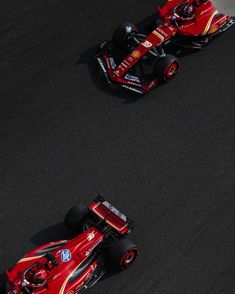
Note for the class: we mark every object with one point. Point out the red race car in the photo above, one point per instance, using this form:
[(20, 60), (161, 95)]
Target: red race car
[(72, 266), (139, 59)]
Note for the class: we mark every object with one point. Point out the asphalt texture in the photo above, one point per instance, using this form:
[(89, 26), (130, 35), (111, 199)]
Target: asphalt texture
[(167, 160)]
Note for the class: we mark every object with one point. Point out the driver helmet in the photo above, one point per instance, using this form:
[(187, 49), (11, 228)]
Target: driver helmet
[(188, 10), (40, 276)]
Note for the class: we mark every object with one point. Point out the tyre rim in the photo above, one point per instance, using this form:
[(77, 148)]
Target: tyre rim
[(128, 258), (171, 70)]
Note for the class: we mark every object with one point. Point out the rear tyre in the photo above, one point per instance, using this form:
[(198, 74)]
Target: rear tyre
[(122, 254), (75, 217), (166, 68), (123, 34)]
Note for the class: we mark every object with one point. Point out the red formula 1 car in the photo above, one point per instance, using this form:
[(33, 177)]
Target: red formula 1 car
[(72, 266), (139, 59)]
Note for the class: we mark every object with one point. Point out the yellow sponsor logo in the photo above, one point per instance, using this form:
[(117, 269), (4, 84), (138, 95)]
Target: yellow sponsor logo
[(135, 54), (213, 30)]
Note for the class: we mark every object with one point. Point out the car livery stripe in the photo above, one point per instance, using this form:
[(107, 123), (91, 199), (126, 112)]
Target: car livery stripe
[(67, 279), (69, 276), (29, 258), (209, 23), (159, 36)]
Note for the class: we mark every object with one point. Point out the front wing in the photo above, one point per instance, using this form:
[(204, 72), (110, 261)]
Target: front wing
[(129, 82)]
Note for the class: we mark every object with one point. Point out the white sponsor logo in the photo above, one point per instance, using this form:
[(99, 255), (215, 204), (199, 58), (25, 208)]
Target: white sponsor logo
[(117, 72), (123, 64), (147, 44), (137, 85), (91, 236), (66, 255), (162, 32), (101, 64), (112, 62), (132, 78), (132, 89), (113, 209), (93, 267)]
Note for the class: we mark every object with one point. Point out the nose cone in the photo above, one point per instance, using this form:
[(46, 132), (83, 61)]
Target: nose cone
[(225, 6)]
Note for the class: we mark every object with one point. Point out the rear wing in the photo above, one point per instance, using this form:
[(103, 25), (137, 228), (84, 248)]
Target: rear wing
[(111, 215)]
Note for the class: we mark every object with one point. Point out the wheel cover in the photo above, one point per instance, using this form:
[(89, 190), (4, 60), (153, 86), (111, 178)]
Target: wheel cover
[(128, 258), (171, 70)]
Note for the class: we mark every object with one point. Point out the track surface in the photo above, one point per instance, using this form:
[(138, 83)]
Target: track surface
[(167, 159)]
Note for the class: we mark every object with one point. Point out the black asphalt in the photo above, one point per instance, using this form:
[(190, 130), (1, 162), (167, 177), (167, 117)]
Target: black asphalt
[(167, 159)]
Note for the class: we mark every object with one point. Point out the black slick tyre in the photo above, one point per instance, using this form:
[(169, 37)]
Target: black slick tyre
[(122, 254), (166, 68), (123, 34), (75, 217)]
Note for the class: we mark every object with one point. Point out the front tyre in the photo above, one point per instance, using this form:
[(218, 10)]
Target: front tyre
[(166, 68), (123, 35), (122, 254)]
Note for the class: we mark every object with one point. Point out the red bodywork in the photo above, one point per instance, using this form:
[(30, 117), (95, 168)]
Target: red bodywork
[(58, 277), (205, 21), (73, 269)]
